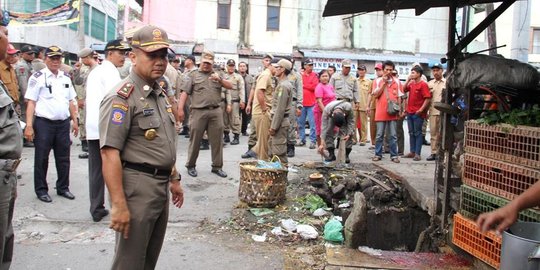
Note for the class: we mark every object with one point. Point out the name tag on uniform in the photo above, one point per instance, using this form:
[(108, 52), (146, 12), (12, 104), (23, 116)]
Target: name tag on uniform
[(66, 85), (148, 112)]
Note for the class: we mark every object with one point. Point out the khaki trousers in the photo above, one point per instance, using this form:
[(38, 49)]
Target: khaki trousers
[(235, 119), (262, 123), (211, 121), (362, 115), (293, 125), (434, 127), (252, 132), (278, 142), (226, 122), (147, 201)]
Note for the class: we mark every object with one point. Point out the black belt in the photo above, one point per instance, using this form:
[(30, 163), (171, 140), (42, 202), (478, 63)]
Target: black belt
[(286, 115), (52, 121), (146, 169), (211, 107), (224, 100), (236, 100), (346, 99)]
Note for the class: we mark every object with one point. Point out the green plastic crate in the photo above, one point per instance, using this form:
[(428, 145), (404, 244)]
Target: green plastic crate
[(474, 202)]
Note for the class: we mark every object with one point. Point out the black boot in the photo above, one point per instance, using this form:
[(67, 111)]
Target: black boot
[(347, 152), (204, 145), (226, 138), (290, 150), (236, 139), (84, 145), (249, 153), (331, 155), (425, 142)]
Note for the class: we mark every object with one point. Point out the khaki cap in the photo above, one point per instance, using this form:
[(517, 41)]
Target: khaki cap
[(346, 63), (207, 57), (150, 39), (85, 52), (284, 63)]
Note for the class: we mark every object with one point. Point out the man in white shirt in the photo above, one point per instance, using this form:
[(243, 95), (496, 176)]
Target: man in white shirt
[(100, 81), (51, 99)]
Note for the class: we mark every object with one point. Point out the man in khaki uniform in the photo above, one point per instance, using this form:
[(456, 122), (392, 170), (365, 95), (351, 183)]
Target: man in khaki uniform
[(281, 110), (204, 88), (8, 76), (189, 66), (238, 102), (296, 107), (249, 81), (10, 158), (267, 59), (23, 70), (138, 148), (340, 114), (437, 86), (262, 104), (345, 85), (364, 90), (226, 108)]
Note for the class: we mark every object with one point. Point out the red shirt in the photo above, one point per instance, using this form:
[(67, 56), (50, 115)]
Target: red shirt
[(418, 92), (309, 82), (394, 91)]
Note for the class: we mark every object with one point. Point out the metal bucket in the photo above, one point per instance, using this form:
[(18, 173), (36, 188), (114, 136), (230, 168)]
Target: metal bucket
[(521, 247)]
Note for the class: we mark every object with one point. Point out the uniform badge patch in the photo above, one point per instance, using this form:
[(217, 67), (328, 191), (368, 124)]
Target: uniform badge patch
[(125, 91), (36, 74), (121, 106), (118, 116)]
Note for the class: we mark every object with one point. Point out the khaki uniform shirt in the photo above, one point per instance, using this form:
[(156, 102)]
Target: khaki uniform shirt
[(79, 80), (204, 93), (345, 87), (181, 78), (437, 88), (364, 89), (172, 74), (23, 70), (298, 88), (248, 84), (281, 104), (266, 83), (327, 125), (238, 91), (10, 129), (8, 76), (128, 113), (38, 64)]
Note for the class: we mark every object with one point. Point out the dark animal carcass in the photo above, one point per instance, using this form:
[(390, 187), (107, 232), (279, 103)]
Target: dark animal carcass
[(480, 69)]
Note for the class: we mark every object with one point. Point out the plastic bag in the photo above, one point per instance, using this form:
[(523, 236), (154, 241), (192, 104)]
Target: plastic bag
[(332, 231), (262, 164), (307, 231), (314, 202)]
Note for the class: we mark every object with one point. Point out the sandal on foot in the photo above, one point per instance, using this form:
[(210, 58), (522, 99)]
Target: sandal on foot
[(376, 158), (417, 158), (395, 160)]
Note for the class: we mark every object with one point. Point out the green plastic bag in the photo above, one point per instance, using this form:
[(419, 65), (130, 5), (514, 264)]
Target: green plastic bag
[(332, 231), (314, 202)]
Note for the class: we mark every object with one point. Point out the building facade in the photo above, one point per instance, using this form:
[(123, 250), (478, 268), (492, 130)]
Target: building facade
[(100, 24)]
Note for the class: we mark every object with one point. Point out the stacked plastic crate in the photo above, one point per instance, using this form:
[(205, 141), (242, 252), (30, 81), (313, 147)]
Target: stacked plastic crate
[(500, 162)]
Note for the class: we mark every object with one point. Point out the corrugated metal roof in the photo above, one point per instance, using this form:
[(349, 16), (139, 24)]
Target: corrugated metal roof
[(365, 56), (341, 7), (182, 48)]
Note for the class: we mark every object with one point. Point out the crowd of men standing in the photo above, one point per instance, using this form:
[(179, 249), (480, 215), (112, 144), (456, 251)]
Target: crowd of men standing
[(129, 106)]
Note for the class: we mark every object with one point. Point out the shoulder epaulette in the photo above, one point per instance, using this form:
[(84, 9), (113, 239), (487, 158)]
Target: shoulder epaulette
[(67, 74), (37, 74), (125, 90)]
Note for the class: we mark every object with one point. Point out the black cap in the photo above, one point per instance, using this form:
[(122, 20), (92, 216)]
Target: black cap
[(231, 62), (362, 67), (437, 65), (275, 60), (117, 44), (308, 62), (53, 51), (418, 69), (339, 118), (27, 48), (191, 57), (171, 56)]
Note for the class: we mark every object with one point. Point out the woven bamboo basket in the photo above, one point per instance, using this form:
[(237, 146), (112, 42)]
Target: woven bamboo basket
[(261, 187)]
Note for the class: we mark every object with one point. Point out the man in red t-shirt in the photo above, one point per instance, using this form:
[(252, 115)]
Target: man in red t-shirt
[(309, 82), (418, 103)]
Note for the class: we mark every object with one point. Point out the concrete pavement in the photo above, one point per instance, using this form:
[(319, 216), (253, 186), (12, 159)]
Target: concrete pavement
[(62, 235)]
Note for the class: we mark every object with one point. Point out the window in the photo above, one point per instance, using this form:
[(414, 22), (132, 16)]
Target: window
[(97, 29), (47, 4), (535, 44), (111, 28), (224, 14), (272, 18)]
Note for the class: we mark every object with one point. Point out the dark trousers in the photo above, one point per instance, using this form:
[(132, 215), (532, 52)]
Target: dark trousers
[(246, 118), (51, 135), (8, 193), (96, 183)]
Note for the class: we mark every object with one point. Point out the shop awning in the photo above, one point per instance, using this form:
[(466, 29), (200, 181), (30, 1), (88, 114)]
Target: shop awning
[(379, 57)]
